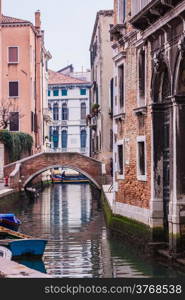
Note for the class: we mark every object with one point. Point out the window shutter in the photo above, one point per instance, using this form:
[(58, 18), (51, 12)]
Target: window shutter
[(14, 121), (13, 54), (13, 89)]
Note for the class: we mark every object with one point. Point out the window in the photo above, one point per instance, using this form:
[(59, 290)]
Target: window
[(55, 93), (121, 11), (121, 85), (13, 89), (55, 138), (141, 158), (64, 139), (64, 92), (83, 138), (14, 121), (111, 96), (111, 140), (50, 133), (83, 111), (13, 55), (83, 92), (64, 112), (55, 112), (49, 93), (97, 95), (120, 158), (141, 67), (32, 121)]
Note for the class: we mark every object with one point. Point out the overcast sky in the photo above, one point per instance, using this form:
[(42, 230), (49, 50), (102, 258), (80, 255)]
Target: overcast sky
[(68, 26)]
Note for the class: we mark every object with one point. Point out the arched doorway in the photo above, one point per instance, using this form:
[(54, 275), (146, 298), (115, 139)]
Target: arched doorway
[(162, 116)]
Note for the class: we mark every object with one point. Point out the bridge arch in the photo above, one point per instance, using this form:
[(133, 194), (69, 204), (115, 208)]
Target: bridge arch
[(59, 166), (23, 171)]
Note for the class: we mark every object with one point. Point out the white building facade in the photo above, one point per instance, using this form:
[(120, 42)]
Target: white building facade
[(68, 101)]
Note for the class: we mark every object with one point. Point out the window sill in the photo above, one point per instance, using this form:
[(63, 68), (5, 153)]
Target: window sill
[(119, 177), (120, 117), (13, 63), (140, 111), (13, 97), (142, 178)]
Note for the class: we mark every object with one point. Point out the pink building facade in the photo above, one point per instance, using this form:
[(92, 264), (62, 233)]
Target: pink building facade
[(22, 77)]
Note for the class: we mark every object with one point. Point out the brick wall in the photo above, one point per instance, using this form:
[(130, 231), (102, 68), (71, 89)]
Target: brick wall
[(37, 163)]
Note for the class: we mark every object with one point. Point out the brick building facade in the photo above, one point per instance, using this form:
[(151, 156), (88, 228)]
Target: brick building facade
[(148, 54)]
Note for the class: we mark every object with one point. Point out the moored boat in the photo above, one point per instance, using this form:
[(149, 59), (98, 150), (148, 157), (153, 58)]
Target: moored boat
[(5, 253), (69, 179), (10, 221), (21, 244)]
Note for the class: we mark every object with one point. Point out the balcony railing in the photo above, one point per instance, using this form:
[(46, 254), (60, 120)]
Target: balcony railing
[(138, 5)]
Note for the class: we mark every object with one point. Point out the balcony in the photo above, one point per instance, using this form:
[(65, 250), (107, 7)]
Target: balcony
[(146, 12)]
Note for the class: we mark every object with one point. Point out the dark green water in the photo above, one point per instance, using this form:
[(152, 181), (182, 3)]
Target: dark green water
[(70, 217)]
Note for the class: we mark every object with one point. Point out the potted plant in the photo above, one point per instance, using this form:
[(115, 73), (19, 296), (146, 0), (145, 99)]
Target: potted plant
[(95, 108)]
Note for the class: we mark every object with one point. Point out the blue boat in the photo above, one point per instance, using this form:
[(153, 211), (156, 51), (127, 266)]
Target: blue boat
[(22, 245), (59, 178), (10, 221)]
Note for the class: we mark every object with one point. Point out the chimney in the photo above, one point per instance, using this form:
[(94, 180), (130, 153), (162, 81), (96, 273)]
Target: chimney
[(37, 20)]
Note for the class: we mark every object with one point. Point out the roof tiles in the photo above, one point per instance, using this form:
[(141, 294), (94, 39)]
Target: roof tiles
[(10, 20), (59, 78)]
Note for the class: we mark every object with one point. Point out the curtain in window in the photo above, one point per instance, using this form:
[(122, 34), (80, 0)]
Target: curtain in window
[(64, 139), (55, 138), (55, 112), (121, 85), (83, 137), (142, 73), (64, 112), (83, 111)]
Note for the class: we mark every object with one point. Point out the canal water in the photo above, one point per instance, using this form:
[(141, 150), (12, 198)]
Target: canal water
[(71, 218)]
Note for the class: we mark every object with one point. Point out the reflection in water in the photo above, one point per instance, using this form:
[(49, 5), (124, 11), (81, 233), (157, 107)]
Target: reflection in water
[(70, 217)]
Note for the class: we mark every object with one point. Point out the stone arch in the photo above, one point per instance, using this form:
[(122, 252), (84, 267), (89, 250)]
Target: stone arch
[(179, 77), (28, 180), (161, 84), (25, 170)]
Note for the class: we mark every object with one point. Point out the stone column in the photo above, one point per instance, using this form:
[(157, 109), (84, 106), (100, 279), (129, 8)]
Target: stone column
[(177, 204), (156, 203), (1, 160)]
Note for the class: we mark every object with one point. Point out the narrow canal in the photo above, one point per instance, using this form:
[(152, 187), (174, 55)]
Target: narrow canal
[(71, 218)]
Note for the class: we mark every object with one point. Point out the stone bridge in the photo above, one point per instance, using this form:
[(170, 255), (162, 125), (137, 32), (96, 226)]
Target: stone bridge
[(22, 172)]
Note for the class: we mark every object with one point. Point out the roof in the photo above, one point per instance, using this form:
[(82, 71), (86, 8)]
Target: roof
[(10, 20), (66, 68), (59, 78)]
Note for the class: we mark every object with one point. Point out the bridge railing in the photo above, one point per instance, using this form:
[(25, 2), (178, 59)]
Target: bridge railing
[(64, 150)]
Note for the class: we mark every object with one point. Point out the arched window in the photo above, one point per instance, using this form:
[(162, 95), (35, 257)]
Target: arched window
[(161, 87), (55, 112), (83, 111), (64, 112), (83, 138), (141, 78), (64, 139), (181, 78), (55, 138)]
